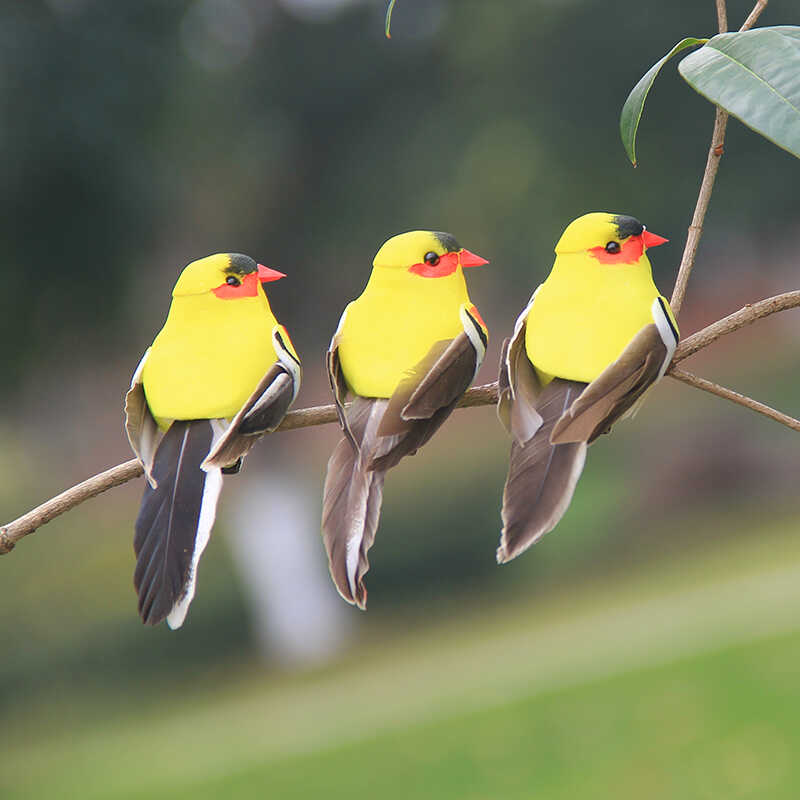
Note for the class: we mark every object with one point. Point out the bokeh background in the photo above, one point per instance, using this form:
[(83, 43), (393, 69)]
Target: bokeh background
[(649, 647)]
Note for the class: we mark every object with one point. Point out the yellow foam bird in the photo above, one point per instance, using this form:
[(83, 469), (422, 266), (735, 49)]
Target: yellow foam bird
[(593, 338), (221, 373), (407, 349)]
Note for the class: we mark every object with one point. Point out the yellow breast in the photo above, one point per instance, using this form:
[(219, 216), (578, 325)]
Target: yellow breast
[(586, 313), (208, 357), (391, 327)]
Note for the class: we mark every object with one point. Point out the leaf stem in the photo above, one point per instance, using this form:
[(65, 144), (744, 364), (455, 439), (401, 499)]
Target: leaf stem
[(388, 25)]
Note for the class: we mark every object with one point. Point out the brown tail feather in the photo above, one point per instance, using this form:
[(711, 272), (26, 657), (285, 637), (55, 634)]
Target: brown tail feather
[(352, 499), (541, 476), (170, 526)]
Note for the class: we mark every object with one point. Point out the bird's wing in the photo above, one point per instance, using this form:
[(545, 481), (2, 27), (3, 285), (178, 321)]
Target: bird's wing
[(175, 521), (504, 388), (615, 392), (518, 384), (264, 409), (430, 390), (336, 377), (143, 432), (450, 374), (541, 475)]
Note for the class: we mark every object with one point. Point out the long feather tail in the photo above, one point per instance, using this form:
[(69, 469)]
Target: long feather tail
[(174, 522), (352, 499), (541, 476)]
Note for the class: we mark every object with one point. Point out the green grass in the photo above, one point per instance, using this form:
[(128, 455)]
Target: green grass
[(721, 725), (671, 680)]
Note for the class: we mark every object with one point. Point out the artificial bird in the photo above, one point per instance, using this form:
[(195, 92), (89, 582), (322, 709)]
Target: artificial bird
[(594, 337), (220, 374), (407, 349)]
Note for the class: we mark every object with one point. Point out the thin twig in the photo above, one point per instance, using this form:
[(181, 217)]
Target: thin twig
[(754, 15), (715, 152), (739, 319), (703, 199), (722, 16), (706, 187), (10, 534), (734, 397)]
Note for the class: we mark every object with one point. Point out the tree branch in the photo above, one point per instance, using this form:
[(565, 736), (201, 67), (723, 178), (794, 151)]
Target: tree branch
[(10, 534), (740, 399), (739, 319), (484, 395)]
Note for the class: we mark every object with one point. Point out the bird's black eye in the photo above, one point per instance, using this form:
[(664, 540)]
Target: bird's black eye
[(232, 280), (432, 258), (613, 248)]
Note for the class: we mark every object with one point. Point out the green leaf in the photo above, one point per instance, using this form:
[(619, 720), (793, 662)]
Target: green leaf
[(755, 76), (389, 19), (634, 105)]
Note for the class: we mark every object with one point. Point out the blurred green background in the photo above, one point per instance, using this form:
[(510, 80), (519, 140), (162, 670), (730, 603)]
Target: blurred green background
[(649, 647)]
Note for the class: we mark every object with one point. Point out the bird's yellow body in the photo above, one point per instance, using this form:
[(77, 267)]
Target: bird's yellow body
[(587, 311), (393, 324), (211, 353)]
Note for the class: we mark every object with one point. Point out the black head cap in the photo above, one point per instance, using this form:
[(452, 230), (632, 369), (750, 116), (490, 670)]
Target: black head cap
[(241, 264), (448, 241), (627, 226)]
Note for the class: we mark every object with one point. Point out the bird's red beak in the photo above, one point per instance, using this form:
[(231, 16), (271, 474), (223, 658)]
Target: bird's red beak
[(469, 259), (265, 274), (652, 239)]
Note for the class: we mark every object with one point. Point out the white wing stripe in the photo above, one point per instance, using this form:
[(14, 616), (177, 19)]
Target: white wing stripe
[(665, 331), (288, 361), (270, 393), (470, 328), (521, 319), (208, 513), (137, 374)]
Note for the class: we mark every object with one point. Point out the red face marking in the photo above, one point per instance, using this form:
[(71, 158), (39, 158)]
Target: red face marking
[(247, 288), (249, 285), (631, 251), (448, 263)]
